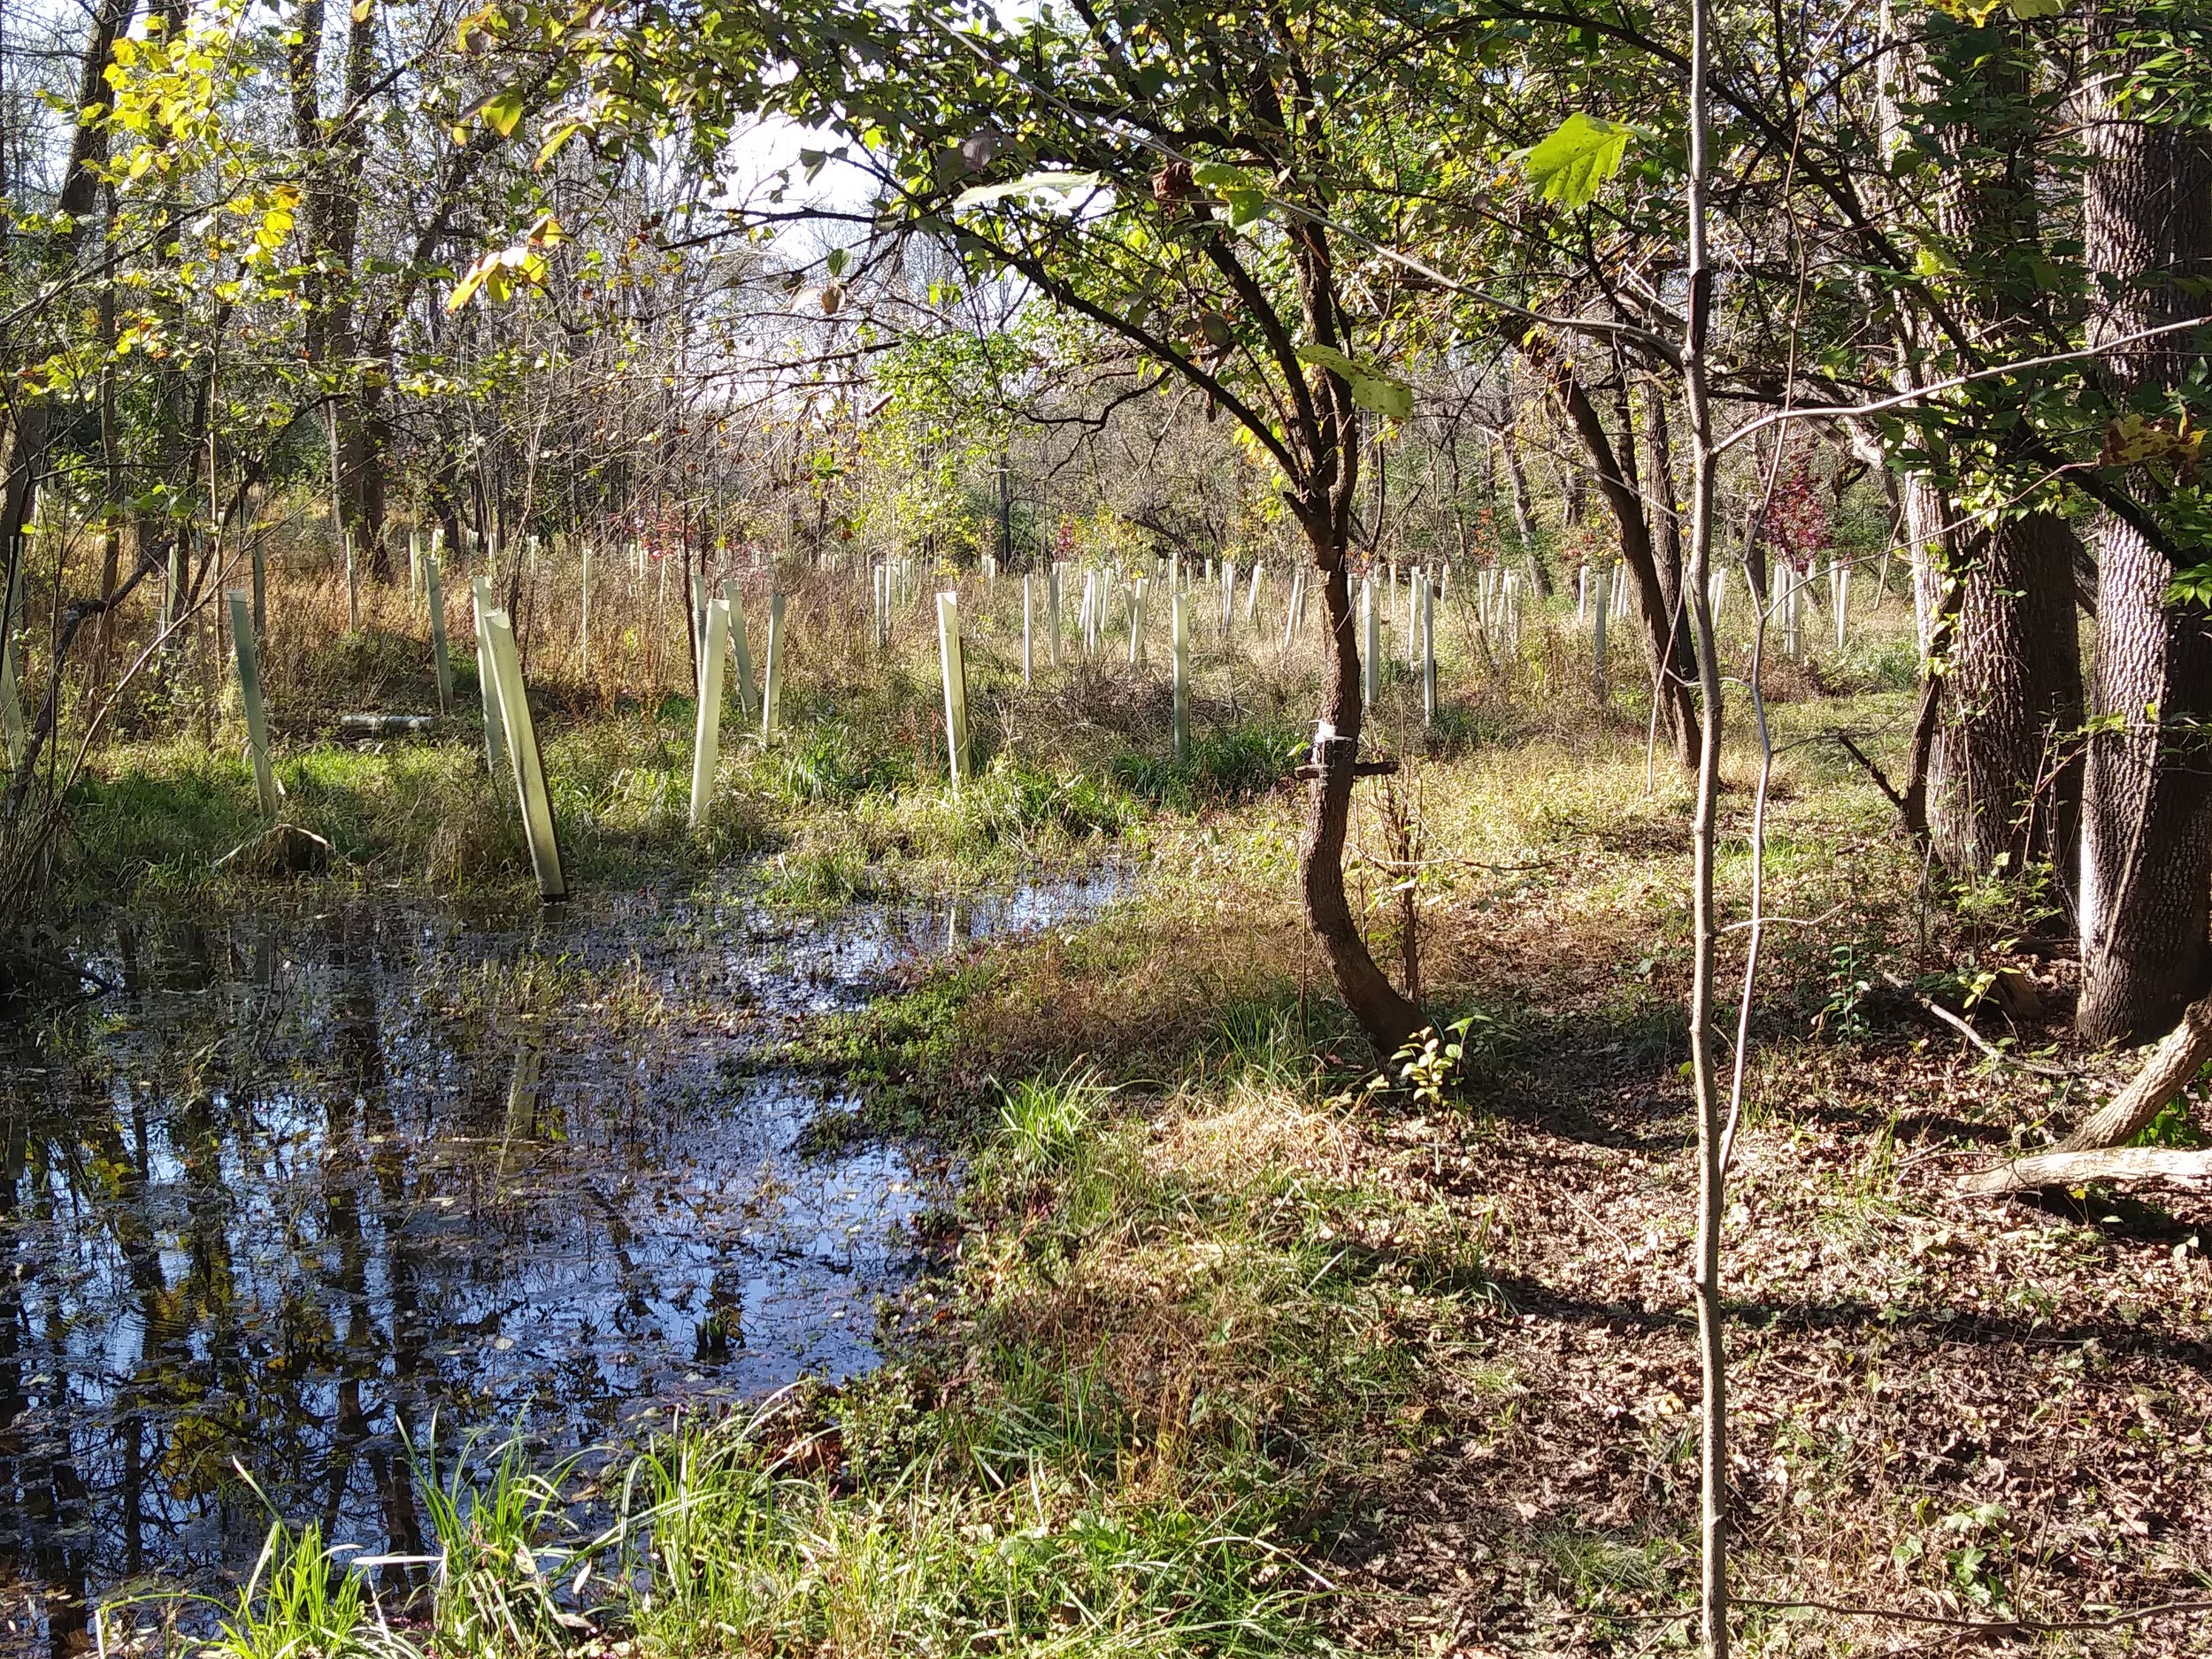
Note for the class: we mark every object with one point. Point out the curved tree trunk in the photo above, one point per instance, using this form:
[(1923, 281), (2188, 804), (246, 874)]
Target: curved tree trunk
[(2147, 863), (1386, 1016)]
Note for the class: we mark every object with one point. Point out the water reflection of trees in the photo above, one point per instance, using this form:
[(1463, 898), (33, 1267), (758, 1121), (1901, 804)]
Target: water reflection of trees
[(304, 1184), (215, 1191)]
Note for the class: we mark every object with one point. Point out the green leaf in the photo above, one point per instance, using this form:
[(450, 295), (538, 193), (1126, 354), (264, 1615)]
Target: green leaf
[(1373, 391), (2028, 11), (1571, 166), (502, 110), (1063, 182)]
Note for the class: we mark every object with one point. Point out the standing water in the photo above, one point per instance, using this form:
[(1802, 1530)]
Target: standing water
[(305, 1181)]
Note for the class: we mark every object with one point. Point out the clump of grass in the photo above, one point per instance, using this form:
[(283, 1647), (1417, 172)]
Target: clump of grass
[(1042, 1119), (492, 1595), (299, 1603)]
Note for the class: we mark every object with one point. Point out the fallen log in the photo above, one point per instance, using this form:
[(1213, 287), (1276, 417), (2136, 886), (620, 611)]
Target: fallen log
[(2073, 1169), (2095, 1150)]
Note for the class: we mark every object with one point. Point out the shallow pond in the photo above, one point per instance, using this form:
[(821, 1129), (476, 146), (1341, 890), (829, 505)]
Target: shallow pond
[(307, 1180)]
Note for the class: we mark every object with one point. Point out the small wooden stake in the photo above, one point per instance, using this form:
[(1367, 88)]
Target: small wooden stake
[(242, 639), (772, 688), (956, 674), (433, 586), (522, 751), (495, 734), (706, 731)]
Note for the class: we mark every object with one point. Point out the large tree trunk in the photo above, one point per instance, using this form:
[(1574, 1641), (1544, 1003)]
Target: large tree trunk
[(2147, 865), (2004, 792), (2003, 785)]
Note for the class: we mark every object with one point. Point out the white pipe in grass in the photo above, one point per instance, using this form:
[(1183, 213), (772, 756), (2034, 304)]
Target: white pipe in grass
[(706, 726), (1297, 604), (1029, 632), (1182, 679), (250, 693), (522, 755), (1252, 595), (1052, 605), (1136, 621), (955, 676), (414, 562), (741, 648), (495, 735), (1371, 646), (771, 684), (1843, 601), (1228, 597), (434, 591)]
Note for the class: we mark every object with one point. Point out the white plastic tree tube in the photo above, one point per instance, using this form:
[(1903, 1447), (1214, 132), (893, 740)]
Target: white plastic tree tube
[(771, 685), (1029, 632), (1182, 680), (956, 675), (583, 628), (1371, 645), (495, 735), (522, 753), (250, 693), (1427, 608), (741, 648), (433, 592), (706, 726), (1052, 605)]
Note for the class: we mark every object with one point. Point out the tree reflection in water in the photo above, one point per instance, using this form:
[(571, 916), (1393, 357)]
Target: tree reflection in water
[(309, 1178)]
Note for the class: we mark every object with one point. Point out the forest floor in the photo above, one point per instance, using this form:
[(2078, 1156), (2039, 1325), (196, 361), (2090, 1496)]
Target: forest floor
[(1231, 1345)]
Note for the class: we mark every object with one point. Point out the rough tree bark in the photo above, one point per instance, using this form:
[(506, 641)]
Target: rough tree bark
[(2003, 785), (2147, 863)]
